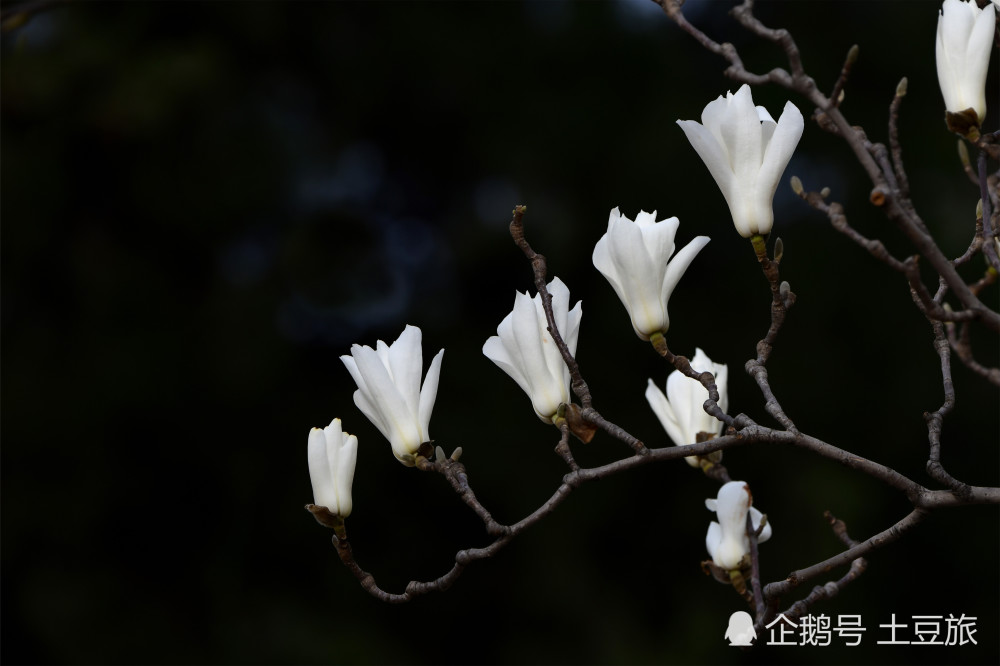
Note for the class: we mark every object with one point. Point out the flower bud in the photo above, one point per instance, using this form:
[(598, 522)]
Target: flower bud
[(635, 259), (681, 411), (727, 540), (746, 152), (389, 391), (332, 455), (964, 43), (524, 349)]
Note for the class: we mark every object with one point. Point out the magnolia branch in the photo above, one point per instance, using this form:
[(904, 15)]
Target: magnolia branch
[(830, 589), (539, 269), (896, 204), (923, 499), (891, 191), (747, 432), (579, 386)]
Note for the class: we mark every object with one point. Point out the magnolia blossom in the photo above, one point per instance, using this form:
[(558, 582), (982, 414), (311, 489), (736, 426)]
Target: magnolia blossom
[(727, 539), (634, 257), (389, 391), (746, 152), (680, 411), (525, 351), (332, 456), (964, 43)]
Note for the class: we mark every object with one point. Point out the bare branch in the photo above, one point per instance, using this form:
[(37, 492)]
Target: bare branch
[(796, 578), (896, 205), (897, 150), (832, 588)]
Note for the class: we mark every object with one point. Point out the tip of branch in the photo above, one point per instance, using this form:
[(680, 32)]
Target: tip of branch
[(796, 185), (852, 55), (901, 87)]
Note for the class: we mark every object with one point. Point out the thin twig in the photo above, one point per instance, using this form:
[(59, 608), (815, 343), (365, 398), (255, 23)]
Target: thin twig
[(897, 150), (832, 588), (896, 206)]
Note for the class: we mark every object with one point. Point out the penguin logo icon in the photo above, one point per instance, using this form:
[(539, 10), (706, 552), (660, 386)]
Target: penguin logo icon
[(740, 631)]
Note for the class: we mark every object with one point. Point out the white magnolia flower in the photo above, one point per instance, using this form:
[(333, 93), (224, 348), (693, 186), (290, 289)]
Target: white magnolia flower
[(680, 410), (964, 43), (634, 256), (525, 351), (746, 152), (389, 391), (332, 456), (727, 539)]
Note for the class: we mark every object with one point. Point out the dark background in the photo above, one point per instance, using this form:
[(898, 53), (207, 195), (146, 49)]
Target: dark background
[(205, 204)]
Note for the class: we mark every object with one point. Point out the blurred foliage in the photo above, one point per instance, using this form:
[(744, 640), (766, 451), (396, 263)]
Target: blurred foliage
[(205, 204)]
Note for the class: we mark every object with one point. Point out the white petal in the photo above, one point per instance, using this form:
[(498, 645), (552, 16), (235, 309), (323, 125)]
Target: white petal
[(713, 539), (734, 502), (712, 153), (352, 367), (496, 351), (428, 394), (342, 453), (405, 365), (603, 262), (679, 264), (763, 116), (658, 239), (665, 413), (572, 334), (683, 394), (716, 114), (395, 414), (779, 152), (319, 471), (372, 412), (527, 336), (559, 294), (525, 351), (742, 136), (551, 383), (978, 60), (639, 276)]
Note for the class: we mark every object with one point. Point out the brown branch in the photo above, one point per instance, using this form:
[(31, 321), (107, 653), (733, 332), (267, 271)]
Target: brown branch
[(897, 150), (838, 220), (836, 94), (960, 342), (454, 472), (896, 206), (935, 419), (760, 608), (744, 15), (779, 589), (984, 195), (579, 386), (707, 379), (538, 267), (562, 448), (782, 298), (922, 498), (832, 588)]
